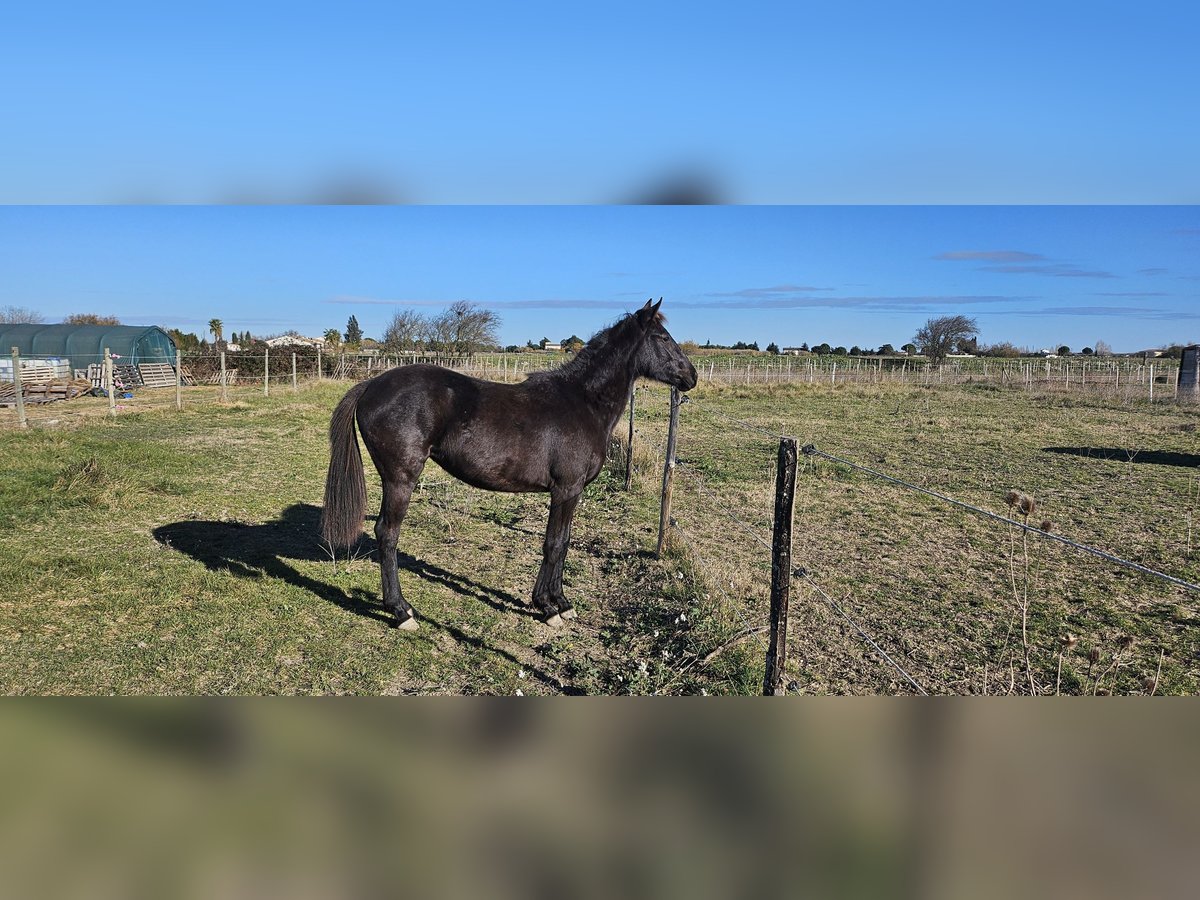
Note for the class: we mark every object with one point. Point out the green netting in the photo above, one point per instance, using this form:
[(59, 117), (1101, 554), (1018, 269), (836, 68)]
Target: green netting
[(84, 344)]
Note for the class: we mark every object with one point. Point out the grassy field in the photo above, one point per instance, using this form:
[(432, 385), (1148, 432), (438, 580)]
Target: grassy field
[(177, 552)]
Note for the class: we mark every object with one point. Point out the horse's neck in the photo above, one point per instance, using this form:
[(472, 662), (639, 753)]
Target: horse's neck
[(606, 389)]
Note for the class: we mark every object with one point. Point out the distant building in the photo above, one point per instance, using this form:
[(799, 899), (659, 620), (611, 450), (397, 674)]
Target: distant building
[(294, 340), (795, 351)]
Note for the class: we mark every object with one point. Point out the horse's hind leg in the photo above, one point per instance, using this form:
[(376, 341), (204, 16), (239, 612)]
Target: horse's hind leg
[(396, 493), (547, 591)]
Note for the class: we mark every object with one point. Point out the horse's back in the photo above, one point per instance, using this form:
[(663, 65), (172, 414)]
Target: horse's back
[(508, 437)]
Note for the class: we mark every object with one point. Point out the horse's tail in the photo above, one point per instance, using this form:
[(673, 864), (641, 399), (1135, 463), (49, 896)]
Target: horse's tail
[(345, 486)]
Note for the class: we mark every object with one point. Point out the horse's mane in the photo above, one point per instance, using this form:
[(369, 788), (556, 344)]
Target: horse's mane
[(601, 353)]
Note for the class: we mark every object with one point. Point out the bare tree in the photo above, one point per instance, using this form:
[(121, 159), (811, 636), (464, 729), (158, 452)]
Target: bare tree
[(407, 330), (465, 328), (937, 336), (90, 319), (20, 315), (1102, 349)]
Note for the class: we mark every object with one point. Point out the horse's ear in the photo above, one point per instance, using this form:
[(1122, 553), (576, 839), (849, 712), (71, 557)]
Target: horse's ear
[(646, 314)]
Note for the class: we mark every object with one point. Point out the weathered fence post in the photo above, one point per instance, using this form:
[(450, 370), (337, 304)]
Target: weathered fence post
[(319, 375), (664, 515), (1151, 374), (178, 379), (629, 449), (781, 567), (295, 387), (108, 380), (266, 371), (224, 380), (16, 353)]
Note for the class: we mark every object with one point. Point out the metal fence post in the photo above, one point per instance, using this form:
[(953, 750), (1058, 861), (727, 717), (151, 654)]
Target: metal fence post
[(108, 379), (781, 567), (178, 379), (664, 516), (16, 355)]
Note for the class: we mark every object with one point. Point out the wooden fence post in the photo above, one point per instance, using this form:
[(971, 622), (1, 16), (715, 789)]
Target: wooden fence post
[(16, 354), (108, 379), (178, 379), (664, 515), (319, 374), (224, 380), (629, 449), (266, 371), (781, 567), (294, 385)]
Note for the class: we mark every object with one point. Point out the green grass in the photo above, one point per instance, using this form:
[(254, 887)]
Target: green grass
[(176, 552)]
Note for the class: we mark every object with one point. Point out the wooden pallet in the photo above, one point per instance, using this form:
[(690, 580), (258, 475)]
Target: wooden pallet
[(46, 392), (157, 375)]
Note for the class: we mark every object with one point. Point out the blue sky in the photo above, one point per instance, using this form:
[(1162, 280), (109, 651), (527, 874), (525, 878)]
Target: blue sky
[(988, 101), (1036, 276)]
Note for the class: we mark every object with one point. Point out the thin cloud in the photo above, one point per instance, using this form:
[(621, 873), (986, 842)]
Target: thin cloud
[(1119, 312), (1131, 294), (773, 291), (995, 256), (1057, 270), (543, 303), (881, 303), (1153, 270)]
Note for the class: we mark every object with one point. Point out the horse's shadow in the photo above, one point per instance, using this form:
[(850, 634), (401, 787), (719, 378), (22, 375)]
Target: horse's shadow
[(1153, 457), (264, 551)]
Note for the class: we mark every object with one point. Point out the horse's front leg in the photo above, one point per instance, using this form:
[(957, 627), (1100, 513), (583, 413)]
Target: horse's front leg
[(547, 592)]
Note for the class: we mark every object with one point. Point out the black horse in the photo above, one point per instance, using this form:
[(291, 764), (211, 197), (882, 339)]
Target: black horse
[(548, 433)]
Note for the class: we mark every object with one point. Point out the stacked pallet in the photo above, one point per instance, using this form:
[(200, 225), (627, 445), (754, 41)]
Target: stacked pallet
[(127, 376), (44, 392)]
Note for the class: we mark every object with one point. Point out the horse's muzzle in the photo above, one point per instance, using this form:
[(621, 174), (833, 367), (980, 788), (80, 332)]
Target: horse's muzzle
[(687, 378)]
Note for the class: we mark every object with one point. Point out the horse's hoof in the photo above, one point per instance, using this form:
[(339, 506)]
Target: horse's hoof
[(555, 620), (409, 624), (568, 613)]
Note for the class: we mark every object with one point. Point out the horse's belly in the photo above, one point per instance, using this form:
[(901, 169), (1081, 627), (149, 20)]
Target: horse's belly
[(495, 472)]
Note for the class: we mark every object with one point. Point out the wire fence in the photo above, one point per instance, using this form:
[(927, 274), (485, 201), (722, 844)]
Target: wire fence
[(1125, 377), (721, 508)]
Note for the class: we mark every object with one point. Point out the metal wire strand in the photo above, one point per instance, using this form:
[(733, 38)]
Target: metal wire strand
[(810, 450), (720, 415), (862, 632)]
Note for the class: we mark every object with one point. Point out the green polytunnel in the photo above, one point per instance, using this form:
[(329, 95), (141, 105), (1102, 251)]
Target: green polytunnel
[(84, 344)]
